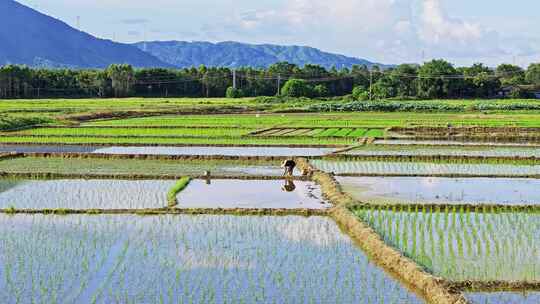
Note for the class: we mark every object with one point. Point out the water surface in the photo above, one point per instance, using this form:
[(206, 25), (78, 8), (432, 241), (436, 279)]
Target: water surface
[(83, 194), (186, 259), (506, 191), (252, 194)]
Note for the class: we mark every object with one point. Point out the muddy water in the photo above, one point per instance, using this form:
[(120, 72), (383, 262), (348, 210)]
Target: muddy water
[(83, 194), (532, 297), (506, 191), (252, 194), (163, 150), (186, 259)]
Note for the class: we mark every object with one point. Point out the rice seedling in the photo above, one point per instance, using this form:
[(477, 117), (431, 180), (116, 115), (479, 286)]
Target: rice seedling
[(435, 190), (405, 168), (142, 167), (462, 245), (186, 259), (525, 297), (83, 194), (415, 150), (134, 132)]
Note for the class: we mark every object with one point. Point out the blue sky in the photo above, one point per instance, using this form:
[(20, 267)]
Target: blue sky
[(388, 31)]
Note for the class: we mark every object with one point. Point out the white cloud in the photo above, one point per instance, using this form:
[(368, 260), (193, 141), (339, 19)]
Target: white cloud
[(436, 27)]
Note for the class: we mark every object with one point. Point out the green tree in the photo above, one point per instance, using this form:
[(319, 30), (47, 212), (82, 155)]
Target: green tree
[(510, 74), (436, 81), (533, 74), (296, 88), (122, 77), (360, 93), (234, 93)]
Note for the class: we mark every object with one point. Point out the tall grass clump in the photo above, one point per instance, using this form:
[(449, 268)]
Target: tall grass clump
[(177, 188)]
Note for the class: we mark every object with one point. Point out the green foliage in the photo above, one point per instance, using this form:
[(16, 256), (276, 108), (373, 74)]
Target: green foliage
[(321, 91), (434, 81), (360, 93), (13, 123), (122, 78), (533, 74), (234, 93), (296, 88)]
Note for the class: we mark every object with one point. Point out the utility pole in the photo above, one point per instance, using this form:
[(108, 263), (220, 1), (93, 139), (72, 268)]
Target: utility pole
[(278, 85), (234, 79), (370, 83)]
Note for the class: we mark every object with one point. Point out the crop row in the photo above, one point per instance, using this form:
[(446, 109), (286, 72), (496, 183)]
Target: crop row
[(187, 259), (394, 168), (133, 132), (281, 141), (461, 245)]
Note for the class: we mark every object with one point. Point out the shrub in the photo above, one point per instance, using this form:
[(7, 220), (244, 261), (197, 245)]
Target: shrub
[(360, 93), (234, 93), (321, 91), (296, 88)]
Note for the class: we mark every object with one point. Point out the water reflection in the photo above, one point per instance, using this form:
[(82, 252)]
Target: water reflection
[(289, 186)]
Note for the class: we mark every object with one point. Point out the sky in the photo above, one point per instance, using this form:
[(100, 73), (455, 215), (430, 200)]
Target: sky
[(386, 31)]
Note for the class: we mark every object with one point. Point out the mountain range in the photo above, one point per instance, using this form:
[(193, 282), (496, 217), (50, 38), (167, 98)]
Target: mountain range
[(31, 38), (235, 54)]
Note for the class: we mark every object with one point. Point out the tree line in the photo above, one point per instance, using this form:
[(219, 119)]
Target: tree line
[(434, 79)]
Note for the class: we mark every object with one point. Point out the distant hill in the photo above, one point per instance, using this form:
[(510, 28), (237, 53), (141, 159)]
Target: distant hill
[(32, 38), (235, 54)]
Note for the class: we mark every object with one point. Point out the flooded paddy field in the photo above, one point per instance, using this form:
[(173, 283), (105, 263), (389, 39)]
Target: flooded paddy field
[(186, 259), (503, 297), (285, 194), (419, 150), (461, 245), (404, 168), (435, 190), (169, 150), (441, 142), (228, 151), (83, 194), (58, 165)]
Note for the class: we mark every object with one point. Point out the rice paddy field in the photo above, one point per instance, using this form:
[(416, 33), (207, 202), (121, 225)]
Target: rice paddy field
[(187, 259), (143, 167), (436, 190), (414, 150), (463, 245), (184, 201), (414, 168)]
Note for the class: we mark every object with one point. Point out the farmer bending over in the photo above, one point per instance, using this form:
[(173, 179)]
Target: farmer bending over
[(289, 166)]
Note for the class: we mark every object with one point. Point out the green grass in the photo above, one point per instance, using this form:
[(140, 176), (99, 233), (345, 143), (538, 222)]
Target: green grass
[(177, 188), (12, 122)]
